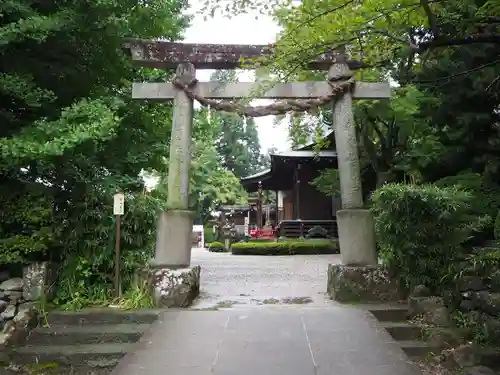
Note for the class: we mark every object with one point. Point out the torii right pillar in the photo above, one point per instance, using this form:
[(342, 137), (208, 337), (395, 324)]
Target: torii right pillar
[(358, 278)]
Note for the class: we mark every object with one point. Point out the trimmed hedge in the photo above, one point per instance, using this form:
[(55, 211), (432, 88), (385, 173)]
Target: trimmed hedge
[(208, 234), (265, 240), (216, 247), (285, 248)]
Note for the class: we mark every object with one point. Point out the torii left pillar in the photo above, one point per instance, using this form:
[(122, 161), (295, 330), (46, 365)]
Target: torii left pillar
[(176, 284)]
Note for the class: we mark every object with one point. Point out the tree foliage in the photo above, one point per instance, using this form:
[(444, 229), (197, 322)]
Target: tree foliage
[(237, 139), (211, 182), (71, 136)]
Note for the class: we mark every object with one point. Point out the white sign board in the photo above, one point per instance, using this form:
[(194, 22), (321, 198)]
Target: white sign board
[(119, 204), (247, 221), (199, 229)]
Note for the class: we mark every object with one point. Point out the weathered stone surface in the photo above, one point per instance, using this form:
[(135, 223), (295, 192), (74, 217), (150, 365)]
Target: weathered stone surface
[(36, 278), (470, 283), (163, 55), (13, 296), (420, 291), (3, 340), (467, 305), (443, 337), (491, 327), (8, 327), (17, 328), (462, 356), (364, 284), (467, 356), (488, 302), (9, 313), (25, 313), (176, 288), (4, 275), (494, 281), (15, 283), (17, 317), (431, 309), (162, 91), (479, 370), (3, 305)]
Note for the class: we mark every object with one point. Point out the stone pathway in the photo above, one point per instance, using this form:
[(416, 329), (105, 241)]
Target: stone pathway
[(268, 316)]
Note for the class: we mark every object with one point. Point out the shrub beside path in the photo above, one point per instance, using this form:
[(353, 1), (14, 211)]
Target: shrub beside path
[(266, 315)]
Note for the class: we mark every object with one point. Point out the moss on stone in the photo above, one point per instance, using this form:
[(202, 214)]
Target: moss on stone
[(297, 300), (347, 292), (361, 284)]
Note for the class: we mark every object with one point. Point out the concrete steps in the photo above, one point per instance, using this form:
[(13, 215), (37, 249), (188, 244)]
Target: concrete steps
[(409, 336), (403, 331), (101, 316), (84, 342), (388, 312), (417, 349), (72, 355), (87, 335)]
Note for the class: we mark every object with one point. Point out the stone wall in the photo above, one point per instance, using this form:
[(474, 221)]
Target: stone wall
[(466, 318), (362, 284), (478, 300), (463, 322), (18, 297)]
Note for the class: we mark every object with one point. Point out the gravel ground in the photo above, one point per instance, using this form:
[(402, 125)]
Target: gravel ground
[(234, 280)]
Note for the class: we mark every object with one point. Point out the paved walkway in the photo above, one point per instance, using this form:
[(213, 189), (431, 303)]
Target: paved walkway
[(257, 337)]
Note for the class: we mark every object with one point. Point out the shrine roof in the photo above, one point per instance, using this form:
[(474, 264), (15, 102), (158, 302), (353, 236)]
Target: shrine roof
[(306, 154), (279, 176), (167, 55), (242, 207)]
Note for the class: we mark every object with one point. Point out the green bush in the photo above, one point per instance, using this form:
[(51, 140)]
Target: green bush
[(420, 230), (27, 226), (485, 196), (285, 248), (216, 247), (253, 240), (86, 275), (209, 234)]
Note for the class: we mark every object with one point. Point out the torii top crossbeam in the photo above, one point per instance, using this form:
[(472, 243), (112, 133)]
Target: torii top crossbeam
[(168, 55)]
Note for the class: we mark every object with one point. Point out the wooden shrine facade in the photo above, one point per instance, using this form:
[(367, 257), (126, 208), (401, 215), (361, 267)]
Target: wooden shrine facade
[(238, 212), (301, 207)]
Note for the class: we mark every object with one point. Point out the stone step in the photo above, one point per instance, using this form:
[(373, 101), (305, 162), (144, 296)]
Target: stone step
[(402, 331), (101, 316), (52, 369), (389, 313), (87, 334), (417, 349), (86, 356)]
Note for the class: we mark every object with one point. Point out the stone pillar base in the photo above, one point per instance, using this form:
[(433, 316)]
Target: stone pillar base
[(356, 237), (361, 284), (176, 288), (173, 240)]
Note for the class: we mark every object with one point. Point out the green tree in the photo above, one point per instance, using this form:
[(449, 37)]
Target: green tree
[(466, 119), (211, 183), (238, 140), (375, 32), (71, 136)]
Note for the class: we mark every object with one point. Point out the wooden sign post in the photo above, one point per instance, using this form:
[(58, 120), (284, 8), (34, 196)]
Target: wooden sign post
[(118, 211)]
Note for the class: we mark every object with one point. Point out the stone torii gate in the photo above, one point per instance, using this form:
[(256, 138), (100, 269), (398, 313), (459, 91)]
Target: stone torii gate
[(173, 247)]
